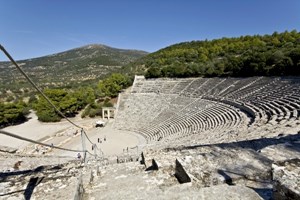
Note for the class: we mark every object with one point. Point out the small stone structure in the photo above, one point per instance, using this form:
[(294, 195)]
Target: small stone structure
[(108, 112), (154, 166), (180, 173), (142, 162)]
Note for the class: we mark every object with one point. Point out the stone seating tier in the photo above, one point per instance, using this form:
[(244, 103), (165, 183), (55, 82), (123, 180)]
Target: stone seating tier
[(162, 108)]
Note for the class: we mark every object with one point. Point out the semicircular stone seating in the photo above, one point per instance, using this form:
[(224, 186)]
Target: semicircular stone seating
[(209, 110)]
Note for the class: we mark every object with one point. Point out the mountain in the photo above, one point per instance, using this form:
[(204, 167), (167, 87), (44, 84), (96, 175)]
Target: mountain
[(267, 55), (88, 63)]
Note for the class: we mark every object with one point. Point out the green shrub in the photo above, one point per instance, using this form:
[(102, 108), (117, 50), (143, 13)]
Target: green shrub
[(13, 113)]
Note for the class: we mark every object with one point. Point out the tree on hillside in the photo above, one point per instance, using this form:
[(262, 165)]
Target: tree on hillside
[(13, 113), (45, 111), (84, 96), (111, 86), (153, 72), (275, 55), (68, 102)]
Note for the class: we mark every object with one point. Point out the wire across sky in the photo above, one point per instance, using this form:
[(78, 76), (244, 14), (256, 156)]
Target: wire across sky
[(49, 101)]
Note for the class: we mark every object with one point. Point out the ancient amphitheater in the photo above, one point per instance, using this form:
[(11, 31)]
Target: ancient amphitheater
[(206, 138)]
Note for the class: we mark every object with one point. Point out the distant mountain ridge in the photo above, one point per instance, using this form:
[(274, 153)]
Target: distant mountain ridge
[(89, 62)]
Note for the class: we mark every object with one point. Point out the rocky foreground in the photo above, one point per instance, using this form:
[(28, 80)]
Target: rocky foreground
[(258, 169)]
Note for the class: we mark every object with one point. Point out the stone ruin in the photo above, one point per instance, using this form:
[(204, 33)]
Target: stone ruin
[(207, 138)]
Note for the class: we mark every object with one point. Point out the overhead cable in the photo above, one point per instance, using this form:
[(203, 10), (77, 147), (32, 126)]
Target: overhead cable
[(35, 86), (88, 137), (46, 98), (36, 142)]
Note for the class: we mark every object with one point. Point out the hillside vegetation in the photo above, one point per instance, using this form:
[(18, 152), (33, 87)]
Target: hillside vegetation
[(77, 67), (269, 55), (68, 101), (13, 113), (70, 79)]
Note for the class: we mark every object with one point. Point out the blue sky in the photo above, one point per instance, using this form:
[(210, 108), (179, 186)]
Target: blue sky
[(33, 28)]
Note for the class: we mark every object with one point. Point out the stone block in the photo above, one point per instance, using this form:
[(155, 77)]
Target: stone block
[(286, 177), (180, 173)]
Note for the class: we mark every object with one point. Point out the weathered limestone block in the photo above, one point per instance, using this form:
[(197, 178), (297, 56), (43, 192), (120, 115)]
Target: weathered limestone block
[(286, 177), (154, 166), (180, 173), (143, 159)]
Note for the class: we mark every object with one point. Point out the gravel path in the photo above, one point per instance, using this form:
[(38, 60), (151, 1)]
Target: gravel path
[(115, 142), (62, 134), (32, 129)]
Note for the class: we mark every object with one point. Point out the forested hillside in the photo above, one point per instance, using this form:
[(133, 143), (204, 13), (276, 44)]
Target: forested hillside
[(77, 67), (68, 101), (269, 55), (72, 80)]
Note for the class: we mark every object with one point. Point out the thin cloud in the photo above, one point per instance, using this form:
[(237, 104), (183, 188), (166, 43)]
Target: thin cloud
[(75, 40), (22, 31), (44, 43)]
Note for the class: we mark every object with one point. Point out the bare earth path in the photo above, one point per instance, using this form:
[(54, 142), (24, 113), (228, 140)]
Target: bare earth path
[(62, 134), (32, 129), (115, 142)]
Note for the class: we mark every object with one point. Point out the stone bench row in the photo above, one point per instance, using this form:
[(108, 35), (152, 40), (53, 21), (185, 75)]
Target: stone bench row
[(209, 126), (173, 109), (213, 118), (233, 88), (168, 116), (137, 108), (141, 112), (171, 120)]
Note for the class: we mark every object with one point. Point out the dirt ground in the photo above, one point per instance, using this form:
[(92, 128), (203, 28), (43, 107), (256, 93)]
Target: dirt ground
[(63, 134)]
